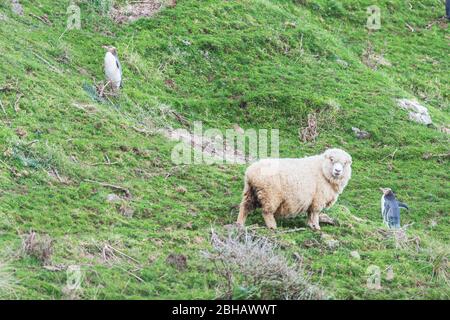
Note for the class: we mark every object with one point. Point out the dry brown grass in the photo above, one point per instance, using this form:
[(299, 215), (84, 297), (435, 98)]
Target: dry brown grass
[(39, 246), (253, 265)]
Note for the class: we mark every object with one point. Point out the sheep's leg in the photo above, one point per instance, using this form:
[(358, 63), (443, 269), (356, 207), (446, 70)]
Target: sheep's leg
[(269, 218), (243, 213), (313, 220), (247, 205)]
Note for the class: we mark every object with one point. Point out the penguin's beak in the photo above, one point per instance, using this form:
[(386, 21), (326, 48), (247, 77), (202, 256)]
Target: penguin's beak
[(384, 190)]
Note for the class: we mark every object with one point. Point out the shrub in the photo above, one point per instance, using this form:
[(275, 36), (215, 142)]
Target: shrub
[(252, 268)]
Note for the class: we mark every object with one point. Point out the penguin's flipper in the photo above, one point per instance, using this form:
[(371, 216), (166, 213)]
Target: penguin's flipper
[(402, 205)]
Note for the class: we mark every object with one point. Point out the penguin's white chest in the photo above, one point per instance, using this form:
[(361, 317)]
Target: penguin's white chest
[(112, 70)]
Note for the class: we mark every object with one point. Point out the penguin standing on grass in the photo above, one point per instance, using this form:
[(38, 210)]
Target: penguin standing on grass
[(390, 208), (113, 69)]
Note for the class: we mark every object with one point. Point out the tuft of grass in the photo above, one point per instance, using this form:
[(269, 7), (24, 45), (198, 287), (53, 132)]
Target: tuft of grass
[(38, 246)]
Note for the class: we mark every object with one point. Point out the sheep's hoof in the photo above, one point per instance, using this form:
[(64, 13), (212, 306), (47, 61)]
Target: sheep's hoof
[(324, 218), (314, 227)]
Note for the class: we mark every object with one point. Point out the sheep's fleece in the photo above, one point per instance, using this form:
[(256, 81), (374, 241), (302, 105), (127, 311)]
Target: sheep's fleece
[(287, 187)]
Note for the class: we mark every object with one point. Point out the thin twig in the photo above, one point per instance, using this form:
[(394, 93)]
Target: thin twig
[(112, 186), (16, 104), (131, 273), (42, 19), (31, 143), (123, 254), (291, 230), (52, 67), (104, 163), (409, 27), (55, 171)]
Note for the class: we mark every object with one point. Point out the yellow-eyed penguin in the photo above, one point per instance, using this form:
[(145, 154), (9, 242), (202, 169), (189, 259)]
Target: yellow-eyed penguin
[(113, 69), (390, 208)]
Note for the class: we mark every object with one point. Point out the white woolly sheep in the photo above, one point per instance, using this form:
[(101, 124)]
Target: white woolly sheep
[(287, 187)]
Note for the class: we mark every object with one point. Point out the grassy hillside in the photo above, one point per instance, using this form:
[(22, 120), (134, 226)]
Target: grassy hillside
[(259, 64)]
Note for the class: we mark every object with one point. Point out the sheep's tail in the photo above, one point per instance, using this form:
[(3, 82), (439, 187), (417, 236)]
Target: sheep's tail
[(249, 203)]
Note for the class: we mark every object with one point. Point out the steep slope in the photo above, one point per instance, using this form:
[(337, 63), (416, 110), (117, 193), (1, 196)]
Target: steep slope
[(260, 64)]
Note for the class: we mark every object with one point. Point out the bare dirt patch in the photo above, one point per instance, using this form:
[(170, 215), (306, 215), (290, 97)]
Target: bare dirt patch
[(178, 261), (139, 9), (217, 149)]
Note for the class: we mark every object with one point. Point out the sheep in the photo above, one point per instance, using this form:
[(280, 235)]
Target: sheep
[(287, 187)]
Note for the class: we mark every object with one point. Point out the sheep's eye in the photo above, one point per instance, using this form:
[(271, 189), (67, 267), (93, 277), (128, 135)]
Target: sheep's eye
[(331, 159)]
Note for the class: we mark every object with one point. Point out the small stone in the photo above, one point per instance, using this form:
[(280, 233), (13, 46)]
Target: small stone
[(290, 24), (17, 7), (331, 243), (113, 198), (445, 130), (181, 189), (355, 254), (360, 134)]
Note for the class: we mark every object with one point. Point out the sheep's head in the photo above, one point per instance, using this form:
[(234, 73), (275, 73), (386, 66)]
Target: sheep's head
[(337, 165)]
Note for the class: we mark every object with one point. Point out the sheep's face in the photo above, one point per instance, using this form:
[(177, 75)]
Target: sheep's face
[(337, 164)]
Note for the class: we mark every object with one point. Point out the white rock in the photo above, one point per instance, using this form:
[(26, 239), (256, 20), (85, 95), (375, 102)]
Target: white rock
[(330, 242), (417, 112), (113, 198), (420, 118)]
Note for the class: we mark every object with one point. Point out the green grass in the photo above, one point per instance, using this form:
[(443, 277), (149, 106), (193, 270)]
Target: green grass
[(260, 64)]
